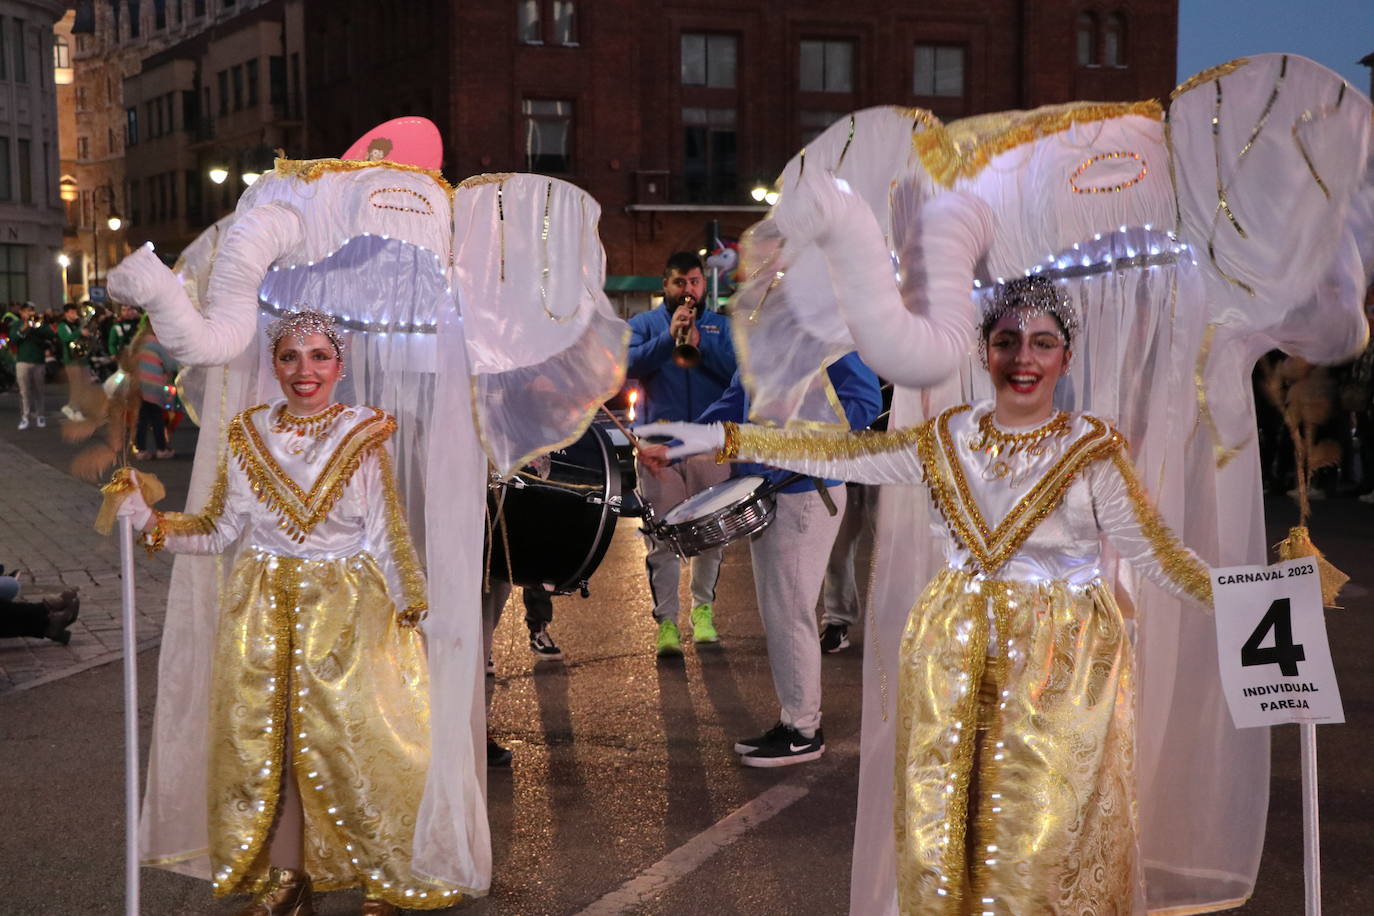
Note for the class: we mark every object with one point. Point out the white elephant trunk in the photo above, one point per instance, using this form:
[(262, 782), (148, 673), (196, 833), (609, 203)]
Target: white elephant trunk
[(919, 335), (258, 239)]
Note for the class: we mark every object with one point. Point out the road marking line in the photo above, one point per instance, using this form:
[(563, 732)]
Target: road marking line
[(691, 855)]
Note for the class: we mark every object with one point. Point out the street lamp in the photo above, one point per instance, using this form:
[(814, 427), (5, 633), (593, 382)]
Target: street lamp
[(114, 222), (64, 262), (250, 177), (218, 174)]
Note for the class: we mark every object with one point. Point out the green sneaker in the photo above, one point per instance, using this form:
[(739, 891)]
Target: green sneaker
[(703, 624), (669, 643)]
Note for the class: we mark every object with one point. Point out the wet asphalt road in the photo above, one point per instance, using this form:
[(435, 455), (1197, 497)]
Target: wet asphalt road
[(622, 761)]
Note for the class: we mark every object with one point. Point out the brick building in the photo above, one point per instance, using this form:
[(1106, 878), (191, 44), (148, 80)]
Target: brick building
[(30, 209), (669, 113)]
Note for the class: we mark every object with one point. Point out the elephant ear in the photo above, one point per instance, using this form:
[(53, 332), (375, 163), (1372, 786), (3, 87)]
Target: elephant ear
[(786, 320), (544, 346), (1267, 152)]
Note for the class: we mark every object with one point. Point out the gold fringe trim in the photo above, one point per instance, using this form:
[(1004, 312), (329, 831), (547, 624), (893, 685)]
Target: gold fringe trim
[(1206, 76), (313, 169), (403, 548), (965, 147), (757, 442), (484, 178), (300, 512), (1178, 563), (1299, 544), (119, 486)]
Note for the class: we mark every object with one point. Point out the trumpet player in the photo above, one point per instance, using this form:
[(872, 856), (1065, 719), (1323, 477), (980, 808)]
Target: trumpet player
[(683, 358)]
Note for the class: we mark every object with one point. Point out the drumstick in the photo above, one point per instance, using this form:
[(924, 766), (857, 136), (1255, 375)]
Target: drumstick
[(634, 440)]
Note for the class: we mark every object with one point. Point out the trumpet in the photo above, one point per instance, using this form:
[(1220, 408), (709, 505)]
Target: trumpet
[(685, 355)]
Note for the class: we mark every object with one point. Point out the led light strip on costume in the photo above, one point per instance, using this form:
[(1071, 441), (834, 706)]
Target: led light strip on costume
[(1073, 263)]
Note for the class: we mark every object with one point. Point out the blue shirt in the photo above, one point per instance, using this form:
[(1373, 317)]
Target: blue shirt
[(671, 392), (856, 386)]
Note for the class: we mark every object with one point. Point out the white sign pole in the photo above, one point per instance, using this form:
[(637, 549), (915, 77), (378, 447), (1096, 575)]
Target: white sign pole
[(1311, 830), (126, 569)]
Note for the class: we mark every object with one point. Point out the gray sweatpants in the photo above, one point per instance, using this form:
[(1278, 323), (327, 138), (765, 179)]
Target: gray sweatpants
[(30, 390), (789, 563), (672, 486), (842, 594)]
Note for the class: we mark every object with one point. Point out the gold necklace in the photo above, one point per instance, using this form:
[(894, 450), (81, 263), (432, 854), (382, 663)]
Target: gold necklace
[(997, 442), (306, 426)]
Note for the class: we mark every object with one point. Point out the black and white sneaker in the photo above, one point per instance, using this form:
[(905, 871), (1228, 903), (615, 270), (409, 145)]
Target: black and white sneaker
[(542, 645), (834, 638), (787, 747), (748, 745), (491, 666)]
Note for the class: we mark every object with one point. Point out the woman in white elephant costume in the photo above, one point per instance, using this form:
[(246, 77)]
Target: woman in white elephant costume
[(504, 355), (1187, 244)]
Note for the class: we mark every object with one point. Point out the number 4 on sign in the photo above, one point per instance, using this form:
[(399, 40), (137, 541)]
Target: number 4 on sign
[(1284, 652)]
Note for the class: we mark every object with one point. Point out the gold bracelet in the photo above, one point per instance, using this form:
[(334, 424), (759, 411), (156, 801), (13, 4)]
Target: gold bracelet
[(730, 449), (155, 537)]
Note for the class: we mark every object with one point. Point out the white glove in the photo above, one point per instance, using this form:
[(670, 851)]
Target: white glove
[(141, 279), (133, 507), (696, 438)]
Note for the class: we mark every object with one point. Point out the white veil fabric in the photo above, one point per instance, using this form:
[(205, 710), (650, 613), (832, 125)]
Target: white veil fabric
[(370, 244), (1085, 193)]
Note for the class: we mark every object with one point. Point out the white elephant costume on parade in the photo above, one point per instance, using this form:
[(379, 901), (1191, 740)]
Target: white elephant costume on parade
[(1189, 243), (475, 317)]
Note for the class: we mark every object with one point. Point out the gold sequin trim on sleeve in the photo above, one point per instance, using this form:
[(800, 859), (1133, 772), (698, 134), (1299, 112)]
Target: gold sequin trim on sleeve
[(180, 524), (402, 548), (730, 449), (759, 443), (1179, 564)]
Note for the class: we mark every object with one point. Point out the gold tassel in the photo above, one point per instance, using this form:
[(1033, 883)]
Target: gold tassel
[(119, 486), (1299, 544)]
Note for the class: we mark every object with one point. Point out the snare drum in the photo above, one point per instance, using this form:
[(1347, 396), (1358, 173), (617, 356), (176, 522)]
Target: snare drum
[(716, 516)]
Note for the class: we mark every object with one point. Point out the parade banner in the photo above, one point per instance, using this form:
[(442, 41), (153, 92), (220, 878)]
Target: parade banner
[(1272, 646)]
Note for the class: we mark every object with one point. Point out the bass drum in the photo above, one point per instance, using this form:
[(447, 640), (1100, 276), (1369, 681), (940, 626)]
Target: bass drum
[(557, 516)]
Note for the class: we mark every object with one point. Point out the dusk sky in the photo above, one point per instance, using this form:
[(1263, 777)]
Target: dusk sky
[(1336, 33)]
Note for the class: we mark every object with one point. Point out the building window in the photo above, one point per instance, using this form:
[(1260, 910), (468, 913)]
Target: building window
[(709, 170), (813, 123), (83, 147), (14, 273), (237, 79), (827, 66), (80, 98), (223, 78), (61, 54), (1087, 40), (252, 67), (1114, 41), (110, 141), (21, 63), (134, 19), (548, 135), (25, 171), (159, 14), (6, 191), (4, 68), (939, 71), (708, 60), (198, 7), (539, 22), (131, 126)]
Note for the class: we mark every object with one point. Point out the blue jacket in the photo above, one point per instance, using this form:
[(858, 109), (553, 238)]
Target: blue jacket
[(670, 392), (855, 385)]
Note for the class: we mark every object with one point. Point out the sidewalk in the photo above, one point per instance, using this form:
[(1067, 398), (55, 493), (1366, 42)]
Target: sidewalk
[(47, 536)]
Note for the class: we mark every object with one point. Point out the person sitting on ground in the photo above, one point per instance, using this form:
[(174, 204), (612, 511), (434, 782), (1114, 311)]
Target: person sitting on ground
[(46, 619)]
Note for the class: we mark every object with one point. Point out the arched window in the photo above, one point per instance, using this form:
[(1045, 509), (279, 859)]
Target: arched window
[(61, 53), (1087, 40), (1114, 41)]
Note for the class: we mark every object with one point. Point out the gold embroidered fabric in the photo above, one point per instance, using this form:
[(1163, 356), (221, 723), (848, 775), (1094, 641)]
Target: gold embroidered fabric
[(202, 522), (299, 510), (1178, 563), (963, 148), (313, 650), (312, 169), (1014, 788), (785, 444), (949, 489), (1206, 76)]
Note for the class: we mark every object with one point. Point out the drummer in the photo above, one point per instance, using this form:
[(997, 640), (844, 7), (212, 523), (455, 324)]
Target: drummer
[(789, 559)]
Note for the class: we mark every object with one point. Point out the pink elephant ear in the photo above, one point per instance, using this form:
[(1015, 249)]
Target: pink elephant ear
[(408, 141)]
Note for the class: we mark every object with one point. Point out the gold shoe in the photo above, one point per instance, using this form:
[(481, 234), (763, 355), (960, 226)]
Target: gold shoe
[(287, 893), (375, 907)]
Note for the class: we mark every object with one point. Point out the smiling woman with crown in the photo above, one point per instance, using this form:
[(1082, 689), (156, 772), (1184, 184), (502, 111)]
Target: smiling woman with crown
[(1015, 754), (319, 714)]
